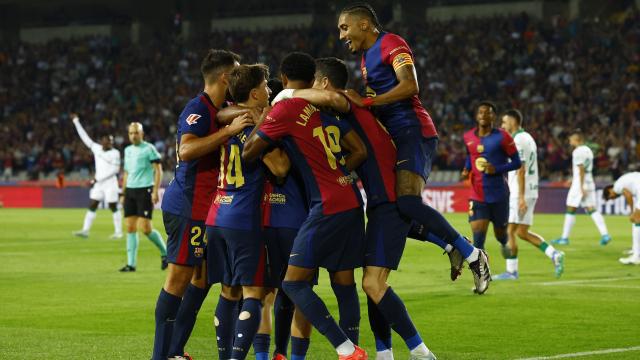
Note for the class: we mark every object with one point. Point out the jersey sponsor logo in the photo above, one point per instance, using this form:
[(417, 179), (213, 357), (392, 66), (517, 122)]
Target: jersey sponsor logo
[(223, 199), (401, 60), (192, 119), (277, 199), (481, 163)]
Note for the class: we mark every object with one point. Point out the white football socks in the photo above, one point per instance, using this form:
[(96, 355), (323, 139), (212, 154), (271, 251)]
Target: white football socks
[(117, 222), (569, 221), (384, 355), (346, 348), (88, 220), (636, 240), (512, 265), (420, 350), (474, 255), (599, 221)]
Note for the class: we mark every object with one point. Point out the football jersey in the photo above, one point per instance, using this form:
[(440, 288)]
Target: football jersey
[(107, 162), (378, 65), (236, 204), (582, 155), (191, 191), (137, 164), (284, 206), (528, 152), (496, 148), (630, 182), (377, 172), (302, 129)]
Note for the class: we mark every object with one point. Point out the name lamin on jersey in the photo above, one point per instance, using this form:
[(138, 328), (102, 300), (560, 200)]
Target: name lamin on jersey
[(306, 114)]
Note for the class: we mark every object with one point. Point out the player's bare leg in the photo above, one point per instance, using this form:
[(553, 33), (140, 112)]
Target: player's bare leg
[(297, 285), (557, 257), (263, 336), (89, 216), (131, 225), (344, 288), (409, 186), (155, 237), (500, 233)]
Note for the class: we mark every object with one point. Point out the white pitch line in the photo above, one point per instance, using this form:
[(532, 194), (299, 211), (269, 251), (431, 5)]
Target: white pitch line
[(605, 286), (585, 353), (585, 281)]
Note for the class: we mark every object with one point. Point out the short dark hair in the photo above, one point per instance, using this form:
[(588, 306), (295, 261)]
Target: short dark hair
[(298, 66), (275, 85), (334, 69), (362, 9), (215, 61), (487, 103), (514, 113), (245, 78), (605, 192)]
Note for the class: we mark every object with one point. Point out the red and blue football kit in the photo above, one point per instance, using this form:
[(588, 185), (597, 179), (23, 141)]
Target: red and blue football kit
[(332, 235), (236, 253), (187, 198), (490, 193)]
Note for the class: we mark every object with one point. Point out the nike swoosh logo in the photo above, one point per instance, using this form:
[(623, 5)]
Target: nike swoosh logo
[(292, 255), (401, 161)]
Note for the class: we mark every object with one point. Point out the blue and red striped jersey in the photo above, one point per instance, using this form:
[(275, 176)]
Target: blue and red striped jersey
[(302, 129), (236, 204), (377, 172), (497, 148), (190, 192), (378, 65), (284, 206)]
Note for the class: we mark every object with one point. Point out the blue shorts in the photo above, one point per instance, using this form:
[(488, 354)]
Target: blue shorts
[(415, 152), (236, 257), (279, 243), (386, 236), (334, 242), (186, 240), (497, 213)]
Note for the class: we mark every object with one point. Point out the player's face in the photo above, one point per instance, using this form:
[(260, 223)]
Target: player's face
[(611, 194), (262, 93), (509, 123), (135, 135), (574, 140), (107, 142), (485, 116), (351, 32)]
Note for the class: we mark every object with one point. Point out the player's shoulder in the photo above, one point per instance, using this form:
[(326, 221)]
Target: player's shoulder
[(502, 132), (470, 133), (196, 107), (393, 39)]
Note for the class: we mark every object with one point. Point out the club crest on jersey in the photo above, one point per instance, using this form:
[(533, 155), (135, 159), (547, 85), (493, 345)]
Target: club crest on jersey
[(480, 148), (192, 119)]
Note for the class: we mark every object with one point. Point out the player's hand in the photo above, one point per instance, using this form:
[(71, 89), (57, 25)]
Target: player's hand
[(121, 199), (522, 207), (635, 217), (74, 116), (583, 193), (254, 113), (239, 123), (464, 175), (354, 97), (263, 115), (490, 169), (91, 182), (154, 197)]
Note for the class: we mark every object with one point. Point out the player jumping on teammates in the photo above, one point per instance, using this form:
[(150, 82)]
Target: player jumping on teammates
[(491, 154), (141, 181), (523, 187), (628, 185), (332, 236), (582, 192), (392, 92), (105, 181), (187, 199)]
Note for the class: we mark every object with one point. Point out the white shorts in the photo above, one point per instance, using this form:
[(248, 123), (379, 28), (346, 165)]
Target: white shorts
[(575, 199), (515, 216), (107, 191)]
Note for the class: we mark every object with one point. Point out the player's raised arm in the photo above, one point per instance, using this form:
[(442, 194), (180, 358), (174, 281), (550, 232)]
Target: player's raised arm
[(86, 139), (351, 143), (278, 162), (193, 147), (225, 116), (319, 97)]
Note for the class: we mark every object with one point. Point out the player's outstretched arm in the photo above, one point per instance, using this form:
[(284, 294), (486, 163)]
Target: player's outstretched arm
[(514, 164), (226, 115), (406, 88), (86, 139), (157, 179), (325, 98), (278, 162), (352, 143), (193, 147)]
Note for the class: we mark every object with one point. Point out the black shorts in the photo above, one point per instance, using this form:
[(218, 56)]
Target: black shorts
[(137, 202)]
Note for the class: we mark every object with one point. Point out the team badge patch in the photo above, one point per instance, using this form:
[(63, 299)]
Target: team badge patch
[(192, 119), (480, 148)]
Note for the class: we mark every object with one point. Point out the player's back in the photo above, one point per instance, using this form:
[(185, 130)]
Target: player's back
[(379, 63), (528, 152), (630, 182), (190, 192), (236, 204), (495, 148), (377, 171), (328, 186), (582, 155), (283, 204)]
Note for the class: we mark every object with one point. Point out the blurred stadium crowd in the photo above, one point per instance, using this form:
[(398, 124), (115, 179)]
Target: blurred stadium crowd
[(562, 75)]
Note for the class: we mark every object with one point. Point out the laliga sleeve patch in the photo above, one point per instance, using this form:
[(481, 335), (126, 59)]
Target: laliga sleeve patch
[(192, 119), (401, 60)]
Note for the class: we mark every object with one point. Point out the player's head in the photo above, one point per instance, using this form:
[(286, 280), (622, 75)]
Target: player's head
[(576, 138), (512, 120), (331, 74), (297, 70), (486, 113), (608, 193), (106, 141), (136, 133), (275, 85), (217, 64), (248, 85), (356, 22)]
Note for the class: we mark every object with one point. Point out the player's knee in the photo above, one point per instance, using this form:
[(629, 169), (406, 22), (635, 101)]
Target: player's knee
[(113, 207), (233, 293), (178, 278), (409, 204), (131, 228), (522, 233), (373, 286)]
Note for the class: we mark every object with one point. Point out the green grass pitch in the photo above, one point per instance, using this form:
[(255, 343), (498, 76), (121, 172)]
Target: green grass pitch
[(62, 297)]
